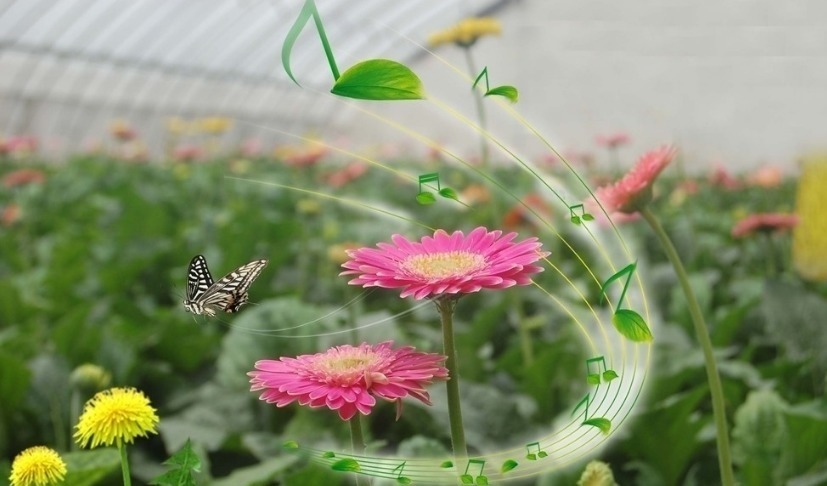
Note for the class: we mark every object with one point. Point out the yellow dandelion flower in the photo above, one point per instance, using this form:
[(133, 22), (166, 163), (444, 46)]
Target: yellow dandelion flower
[(37, 466), (597, 474), (115, 417), (810, 235), (466, 32)]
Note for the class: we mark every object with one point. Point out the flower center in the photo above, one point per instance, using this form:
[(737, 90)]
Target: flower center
[(345, 368), (436, 266)]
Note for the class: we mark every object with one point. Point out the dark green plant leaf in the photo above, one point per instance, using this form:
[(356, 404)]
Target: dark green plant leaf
[(88, 468), (184, 463), (328, 454), (509, 92), (631, 325), (508, 465), (379, 79), (446, 465)]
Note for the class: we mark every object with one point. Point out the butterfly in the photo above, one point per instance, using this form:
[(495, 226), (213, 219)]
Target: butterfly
[(204, 296)]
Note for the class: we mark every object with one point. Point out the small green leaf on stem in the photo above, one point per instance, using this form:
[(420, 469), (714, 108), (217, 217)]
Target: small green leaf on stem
[(379, 79), (631, 325), (509, 92)]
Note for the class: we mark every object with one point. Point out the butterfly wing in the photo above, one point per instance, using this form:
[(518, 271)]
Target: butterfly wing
[(230, 293), (199, 279)]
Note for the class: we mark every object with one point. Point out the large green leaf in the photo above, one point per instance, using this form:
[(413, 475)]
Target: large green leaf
[(379, 79), (631, 325), (88, 468)]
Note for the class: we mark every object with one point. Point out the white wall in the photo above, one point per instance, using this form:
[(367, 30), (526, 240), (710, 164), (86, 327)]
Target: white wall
[(743, 82)]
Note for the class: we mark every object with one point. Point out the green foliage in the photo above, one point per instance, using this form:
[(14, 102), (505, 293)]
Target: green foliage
[(182, 466), (379, 79), (88, 468)]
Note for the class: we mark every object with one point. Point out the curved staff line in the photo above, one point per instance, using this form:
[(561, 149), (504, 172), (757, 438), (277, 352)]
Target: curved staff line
[(358, 298), (342, 331), (515, 115), (341, 150), (343, 200)]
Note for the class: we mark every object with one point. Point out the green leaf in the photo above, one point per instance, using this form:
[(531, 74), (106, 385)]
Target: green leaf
[(575, 220), (264, 472), (601, 423), (379, 79), (404, 480), (588, 217), (448, 193), (508, 465), (505, 91), (446, 465), (631, 325), (593, 379), (87, 468), (183, 463), (425, 198), (328, 455), (609, 375), (347, 465), (291, 445)]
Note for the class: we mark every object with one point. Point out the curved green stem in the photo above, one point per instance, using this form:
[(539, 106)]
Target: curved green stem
[(446, 305), (472, 70), (357, 441), (717, 391), (127, 479)]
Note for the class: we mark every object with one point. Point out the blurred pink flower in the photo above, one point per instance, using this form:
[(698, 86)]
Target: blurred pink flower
[(722, 178), (22, 177), (251, 147), (446, 264), (18, 145), (347, 174), (122, 131), (187, 153), (764, 222), (347, 378), (634, 190), (613, 140), (305, 156)]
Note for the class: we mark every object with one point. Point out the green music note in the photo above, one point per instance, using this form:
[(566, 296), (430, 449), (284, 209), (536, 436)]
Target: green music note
[(509, 92), (601, 423), (480, 480), (425, 197), (594, 378), (346, 465), (628, 322), (399, 477), (532, 456), (584, 216)]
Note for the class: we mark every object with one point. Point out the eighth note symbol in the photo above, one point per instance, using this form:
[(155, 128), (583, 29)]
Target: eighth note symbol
[(399, 477), (584, 216), (425, 198), (532, 456), (594, 378), (481, 479)]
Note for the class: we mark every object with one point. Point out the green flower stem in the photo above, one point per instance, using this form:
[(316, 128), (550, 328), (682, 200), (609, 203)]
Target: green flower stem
[(357, 441), (446, 305), (127, 480), (480, 108), (718, 406)]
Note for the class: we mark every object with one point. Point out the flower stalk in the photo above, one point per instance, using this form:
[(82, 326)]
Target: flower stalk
[(357, 441), (702, 333), (445, 305), (127, 479)]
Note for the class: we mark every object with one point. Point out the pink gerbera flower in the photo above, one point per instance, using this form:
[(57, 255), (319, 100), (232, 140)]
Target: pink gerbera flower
[(634, 190), (446, 264), (764, 222), (347, 378)]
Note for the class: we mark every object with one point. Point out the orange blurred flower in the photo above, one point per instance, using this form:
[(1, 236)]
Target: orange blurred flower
[(768, 177), (22, 177), (122, 130), (10, 215), (475, 194), (519, 215)]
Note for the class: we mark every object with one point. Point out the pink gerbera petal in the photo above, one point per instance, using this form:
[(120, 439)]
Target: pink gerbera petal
[(446, 263), (347, 378), (634, 190)]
